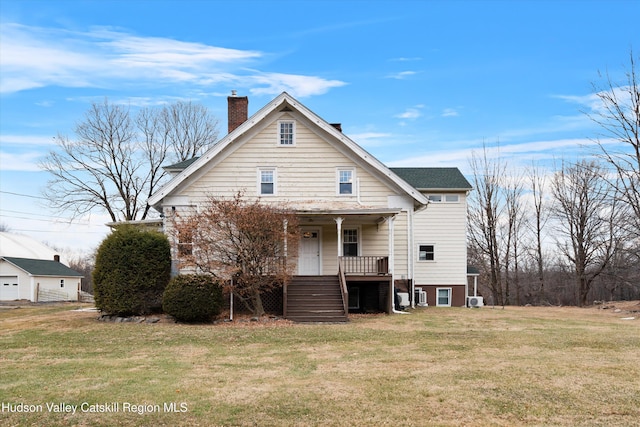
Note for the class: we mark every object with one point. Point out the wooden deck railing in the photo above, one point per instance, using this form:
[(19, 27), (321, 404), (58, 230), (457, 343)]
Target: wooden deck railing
[(343, 289), (364, 265)]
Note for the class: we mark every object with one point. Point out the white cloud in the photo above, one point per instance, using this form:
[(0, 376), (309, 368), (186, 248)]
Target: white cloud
[(33, 57), (402, 75), (22, 140), (406, 59), (370, 139), (450, 112), (411, 113), (24, 162), (295, 85), (518, 155), (592, 103)]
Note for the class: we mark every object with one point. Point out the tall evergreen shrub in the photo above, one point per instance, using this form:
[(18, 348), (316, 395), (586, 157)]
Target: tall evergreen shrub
[(133, 267)]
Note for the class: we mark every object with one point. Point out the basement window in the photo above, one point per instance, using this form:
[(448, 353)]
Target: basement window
[(443, 297)]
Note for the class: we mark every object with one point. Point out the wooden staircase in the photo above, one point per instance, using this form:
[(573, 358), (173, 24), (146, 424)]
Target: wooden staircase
[(315, 299)]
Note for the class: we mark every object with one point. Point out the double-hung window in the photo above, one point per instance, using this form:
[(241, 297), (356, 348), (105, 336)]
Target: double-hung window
[(267, 181), (286, 133), (345, 181), (350, 242)]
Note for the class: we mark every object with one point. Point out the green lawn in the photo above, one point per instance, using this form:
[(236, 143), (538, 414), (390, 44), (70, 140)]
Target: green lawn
[(434, 367)]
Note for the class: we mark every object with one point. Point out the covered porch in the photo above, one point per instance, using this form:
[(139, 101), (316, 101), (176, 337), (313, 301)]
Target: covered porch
[(357, 247)]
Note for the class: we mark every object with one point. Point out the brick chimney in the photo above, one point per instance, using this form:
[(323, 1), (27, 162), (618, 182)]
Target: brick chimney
[(238, 110)]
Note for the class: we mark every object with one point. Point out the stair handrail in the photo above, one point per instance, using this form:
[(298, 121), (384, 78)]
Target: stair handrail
[(343, 288), (285, 299)]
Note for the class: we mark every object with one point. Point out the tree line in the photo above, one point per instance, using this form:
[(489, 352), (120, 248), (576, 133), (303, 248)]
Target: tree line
[(567, 236)]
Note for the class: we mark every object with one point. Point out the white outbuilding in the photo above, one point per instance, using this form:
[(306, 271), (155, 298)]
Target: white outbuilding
[(29, 270)]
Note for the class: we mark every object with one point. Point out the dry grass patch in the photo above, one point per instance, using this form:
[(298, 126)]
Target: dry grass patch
[(442, 367)]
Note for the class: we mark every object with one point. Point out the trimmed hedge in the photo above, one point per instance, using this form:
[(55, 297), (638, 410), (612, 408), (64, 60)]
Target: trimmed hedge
[(192, 298), (133, 266)]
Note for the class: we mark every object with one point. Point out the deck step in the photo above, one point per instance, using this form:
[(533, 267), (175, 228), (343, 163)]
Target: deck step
[(315, 299)]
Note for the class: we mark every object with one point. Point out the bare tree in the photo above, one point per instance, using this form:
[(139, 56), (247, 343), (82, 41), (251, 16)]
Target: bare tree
[(586, 222), (513, 190), (484, 213), (538, 182), (115, 163), (618, 115), (252, 242)]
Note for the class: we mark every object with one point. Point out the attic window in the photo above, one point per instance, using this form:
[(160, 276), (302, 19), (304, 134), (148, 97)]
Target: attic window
[(286, 132)]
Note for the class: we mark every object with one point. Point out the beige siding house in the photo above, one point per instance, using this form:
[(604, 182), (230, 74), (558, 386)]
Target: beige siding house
[(376, 234)]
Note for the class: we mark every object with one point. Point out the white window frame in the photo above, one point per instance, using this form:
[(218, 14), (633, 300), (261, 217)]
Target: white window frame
[(353, 181), (293, 133), (449, 292), (274, 172), (434, 252), (62, 283), (444, 198)]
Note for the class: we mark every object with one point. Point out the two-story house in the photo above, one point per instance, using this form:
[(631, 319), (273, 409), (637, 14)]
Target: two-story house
[(370, 235)]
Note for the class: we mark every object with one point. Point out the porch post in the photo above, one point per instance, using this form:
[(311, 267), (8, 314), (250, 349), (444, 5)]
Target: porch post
[(338, 221), (285, 224)]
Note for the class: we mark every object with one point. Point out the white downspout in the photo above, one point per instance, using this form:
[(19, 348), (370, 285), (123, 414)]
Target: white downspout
[(390, 222), (410, 259)]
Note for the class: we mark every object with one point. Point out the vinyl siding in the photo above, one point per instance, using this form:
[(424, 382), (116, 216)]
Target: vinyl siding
[(305, 171), (444, 226)]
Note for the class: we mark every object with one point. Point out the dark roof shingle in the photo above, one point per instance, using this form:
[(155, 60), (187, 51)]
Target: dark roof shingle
[(434, 178), (42, 267)]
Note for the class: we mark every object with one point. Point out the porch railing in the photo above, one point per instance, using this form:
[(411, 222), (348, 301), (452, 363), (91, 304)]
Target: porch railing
[(343, 289), (365, 265)]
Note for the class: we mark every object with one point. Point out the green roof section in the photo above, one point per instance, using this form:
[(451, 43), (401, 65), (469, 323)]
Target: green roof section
[(181, 165), (42, 267), (433, 178)]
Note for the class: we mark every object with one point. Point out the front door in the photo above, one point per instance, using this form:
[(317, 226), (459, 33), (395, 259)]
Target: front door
[(309, 256)]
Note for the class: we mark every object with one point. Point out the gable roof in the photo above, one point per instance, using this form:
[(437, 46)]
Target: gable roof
[(283, 101), (42, 267), (446, 179)]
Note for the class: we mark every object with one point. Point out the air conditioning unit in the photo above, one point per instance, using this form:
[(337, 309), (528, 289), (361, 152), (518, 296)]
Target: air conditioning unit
[(421, 297), (475, 302), (404, 299)]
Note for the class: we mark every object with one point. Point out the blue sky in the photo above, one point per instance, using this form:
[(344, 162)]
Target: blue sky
[(416, 83)]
